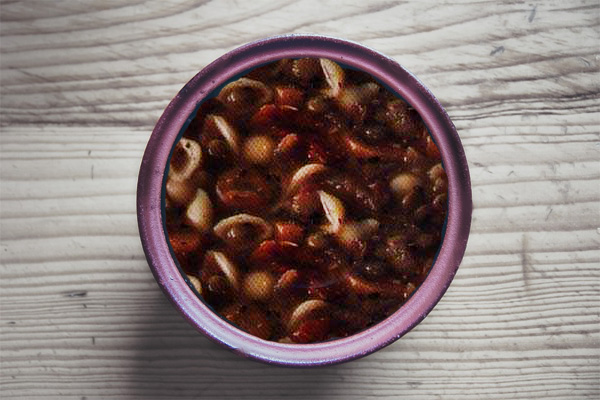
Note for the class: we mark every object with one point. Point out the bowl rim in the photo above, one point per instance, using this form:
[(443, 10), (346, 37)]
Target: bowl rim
[(179, 113)]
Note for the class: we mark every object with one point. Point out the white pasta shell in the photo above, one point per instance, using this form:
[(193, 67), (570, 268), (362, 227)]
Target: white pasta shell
[(334, 210), (200, 212), (265, 229), (228, 268), (303, 175), (334, 75), (402, 184), (352, 232), (303, 310), (227, 131), (193, 154), (195, 283), (266, 93)]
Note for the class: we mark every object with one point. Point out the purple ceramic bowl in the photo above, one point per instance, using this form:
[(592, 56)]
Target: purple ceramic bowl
[(180, 111)]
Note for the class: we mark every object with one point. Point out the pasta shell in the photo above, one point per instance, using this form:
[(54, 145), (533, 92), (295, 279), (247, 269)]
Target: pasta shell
[(334, 75), (303, 310), (200, 212), (265, 230), (265, 93), (191, 152), (303, 175), (227, 131), (334, 210), (228, 268)]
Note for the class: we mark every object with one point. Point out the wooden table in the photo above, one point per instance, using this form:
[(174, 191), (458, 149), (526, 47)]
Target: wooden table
[(82, 85)]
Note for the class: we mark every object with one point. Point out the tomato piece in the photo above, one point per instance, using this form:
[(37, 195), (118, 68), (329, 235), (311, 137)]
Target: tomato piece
[(249, 318), (265, 115), (288, 232), (244, 189), (313, 330), (290, 96), (184, 242), (270, 250), (273, 114), (267, 251)]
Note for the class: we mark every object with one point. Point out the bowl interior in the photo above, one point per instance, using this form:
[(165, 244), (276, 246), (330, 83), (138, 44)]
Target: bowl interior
[(178, 115)]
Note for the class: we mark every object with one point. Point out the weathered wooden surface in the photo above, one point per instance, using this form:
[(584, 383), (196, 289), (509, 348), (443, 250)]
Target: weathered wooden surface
[(82, 84)]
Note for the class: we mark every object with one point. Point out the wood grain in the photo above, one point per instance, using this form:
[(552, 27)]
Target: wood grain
[(82, 84)]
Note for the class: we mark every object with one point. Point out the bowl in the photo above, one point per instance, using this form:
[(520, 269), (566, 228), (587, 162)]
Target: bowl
[(177, 116)]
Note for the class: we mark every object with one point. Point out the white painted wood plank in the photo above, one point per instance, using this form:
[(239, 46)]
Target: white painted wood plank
[(82, 84)]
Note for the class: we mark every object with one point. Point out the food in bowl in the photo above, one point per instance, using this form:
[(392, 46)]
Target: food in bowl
[(305, 201)]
